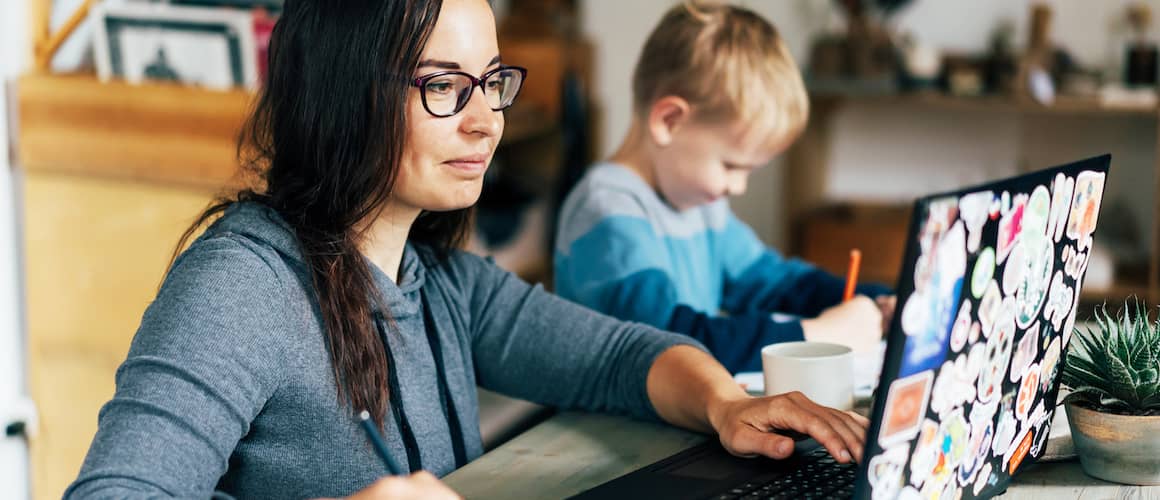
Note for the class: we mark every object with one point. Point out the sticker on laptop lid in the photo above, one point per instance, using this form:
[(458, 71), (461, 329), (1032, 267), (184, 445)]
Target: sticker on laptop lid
[(1059, 302), (926, 453), (977, 453), (1077, 262), (1028, 391), (1018, 450), (1060, 205), (973, 210), (982, 480), (1007, 427), (983, 271), (1010, 226), (906, 402), (1049, 366), (1025, 353), (885, 472), (1038, 261), (995, 359), (1085, 207), (961, 331), (989, 307), (1069, 323)]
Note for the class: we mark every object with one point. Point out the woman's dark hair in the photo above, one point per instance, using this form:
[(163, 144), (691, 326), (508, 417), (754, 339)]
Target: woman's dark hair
[(325, 141)]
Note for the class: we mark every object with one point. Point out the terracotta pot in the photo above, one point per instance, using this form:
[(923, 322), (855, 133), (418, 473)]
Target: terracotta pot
[(1119, 448)]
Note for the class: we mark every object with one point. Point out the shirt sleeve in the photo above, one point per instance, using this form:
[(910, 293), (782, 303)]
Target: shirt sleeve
[(534, 345), (195, 377), (759, 279)]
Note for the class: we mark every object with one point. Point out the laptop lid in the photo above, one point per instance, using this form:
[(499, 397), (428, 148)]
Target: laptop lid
[(987, 299)]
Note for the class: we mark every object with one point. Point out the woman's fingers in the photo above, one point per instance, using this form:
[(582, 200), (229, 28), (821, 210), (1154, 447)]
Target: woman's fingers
[(747, 442), (840, 433)]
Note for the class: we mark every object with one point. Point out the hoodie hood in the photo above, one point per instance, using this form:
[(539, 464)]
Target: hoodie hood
[(264, 226)]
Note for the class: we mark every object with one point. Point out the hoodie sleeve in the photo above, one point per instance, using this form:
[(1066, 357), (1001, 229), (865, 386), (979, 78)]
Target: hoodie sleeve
[(531, 344), (202, 365)]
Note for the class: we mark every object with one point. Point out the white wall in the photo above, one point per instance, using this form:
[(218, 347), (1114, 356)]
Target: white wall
[(897, 154), (13, 452)]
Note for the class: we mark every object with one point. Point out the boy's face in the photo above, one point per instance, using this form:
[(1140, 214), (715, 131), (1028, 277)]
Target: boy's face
[(704, 162)]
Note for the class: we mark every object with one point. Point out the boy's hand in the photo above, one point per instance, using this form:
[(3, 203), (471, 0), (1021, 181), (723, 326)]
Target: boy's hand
[(886, 305), (758, 426), (856, 323)]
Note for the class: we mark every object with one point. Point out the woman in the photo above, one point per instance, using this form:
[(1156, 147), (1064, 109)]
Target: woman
[(337, 288)]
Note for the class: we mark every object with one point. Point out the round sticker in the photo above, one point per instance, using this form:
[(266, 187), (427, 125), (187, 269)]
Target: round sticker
[(1027, 392), (961, 330), (983, 272), (1039, 256), (1037, 212), (1049, 365), (1014, 270), (989, 308)]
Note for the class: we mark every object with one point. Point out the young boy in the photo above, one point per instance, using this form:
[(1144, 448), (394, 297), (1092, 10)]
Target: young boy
[(649, 236)]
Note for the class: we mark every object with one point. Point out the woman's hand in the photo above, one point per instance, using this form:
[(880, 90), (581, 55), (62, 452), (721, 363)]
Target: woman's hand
[(421, 484), (759, 426)]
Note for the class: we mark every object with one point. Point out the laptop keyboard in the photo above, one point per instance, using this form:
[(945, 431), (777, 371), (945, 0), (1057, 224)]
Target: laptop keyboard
[(820, 476)]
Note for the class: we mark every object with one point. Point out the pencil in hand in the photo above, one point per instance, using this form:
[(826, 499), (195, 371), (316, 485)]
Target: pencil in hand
[(852, 274), (379, 444)]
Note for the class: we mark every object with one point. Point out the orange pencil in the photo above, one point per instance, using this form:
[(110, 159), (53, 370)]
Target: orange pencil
[(852, 274)]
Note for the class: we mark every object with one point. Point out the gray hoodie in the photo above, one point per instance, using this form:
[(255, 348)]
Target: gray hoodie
[(228, 384)]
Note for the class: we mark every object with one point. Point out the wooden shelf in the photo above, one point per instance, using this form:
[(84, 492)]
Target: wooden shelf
[(1116, 294), (159, 133), (156, 133), (805, 186), (1063, 105)]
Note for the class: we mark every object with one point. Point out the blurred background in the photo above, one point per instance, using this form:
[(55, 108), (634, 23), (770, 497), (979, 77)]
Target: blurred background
[(119, 119)]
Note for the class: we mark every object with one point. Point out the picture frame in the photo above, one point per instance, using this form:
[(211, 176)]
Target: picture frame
[(269, 5), (207, 47)]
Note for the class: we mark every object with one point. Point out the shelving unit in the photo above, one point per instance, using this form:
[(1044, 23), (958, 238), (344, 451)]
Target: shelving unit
[(807, 170)]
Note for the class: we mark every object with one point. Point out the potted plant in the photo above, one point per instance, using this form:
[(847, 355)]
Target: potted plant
[(1113, 372)]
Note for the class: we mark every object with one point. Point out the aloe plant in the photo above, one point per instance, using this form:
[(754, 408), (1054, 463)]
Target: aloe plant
[(1116, 367)]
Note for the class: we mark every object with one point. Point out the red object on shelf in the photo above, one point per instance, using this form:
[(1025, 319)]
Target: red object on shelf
[(263, 27)]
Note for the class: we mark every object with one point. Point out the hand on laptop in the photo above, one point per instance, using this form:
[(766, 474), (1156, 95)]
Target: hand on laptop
[(856, 323), (421, 484), (761, 426)]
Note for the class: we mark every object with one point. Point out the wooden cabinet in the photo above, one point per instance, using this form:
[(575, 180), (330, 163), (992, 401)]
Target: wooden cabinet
[(95, 251)]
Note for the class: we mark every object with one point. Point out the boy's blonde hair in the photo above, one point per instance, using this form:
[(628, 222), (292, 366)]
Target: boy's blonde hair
[(729, 63)]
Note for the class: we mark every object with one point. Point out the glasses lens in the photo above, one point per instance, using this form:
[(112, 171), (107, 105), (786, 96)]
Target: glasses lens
[(445, 94), (502, 87)]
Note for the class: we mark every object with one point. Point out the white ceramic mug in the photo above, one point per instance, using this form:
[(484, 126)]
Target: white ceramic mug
[(822, 371)]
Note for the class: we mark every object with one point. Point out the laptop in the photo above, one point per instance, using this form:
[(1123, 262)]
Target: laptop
[(987, 300)]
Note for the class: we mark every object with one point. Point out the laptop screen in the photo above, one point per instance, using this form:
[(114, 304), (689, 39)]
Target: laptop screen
[(987, 299)]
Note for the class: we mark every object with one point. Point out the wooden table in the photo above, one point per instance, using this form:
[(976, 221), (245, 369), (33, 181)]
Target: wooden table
[(572, 452)]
